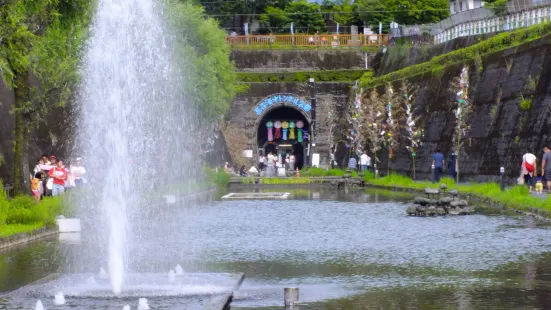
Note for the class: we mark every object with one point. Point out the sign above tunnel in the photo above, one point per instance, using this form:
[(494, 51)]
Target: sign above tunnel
[(282, 100)]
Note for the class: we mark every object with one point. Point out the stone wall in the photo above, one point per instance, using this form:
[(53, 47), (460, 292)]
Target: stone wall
[(501, 131), (300, 60)]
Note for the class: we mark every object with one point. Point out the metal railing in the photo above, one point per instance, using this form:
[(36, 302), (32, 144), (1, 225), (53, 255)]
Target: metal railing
[(303, 40), (518, 14)]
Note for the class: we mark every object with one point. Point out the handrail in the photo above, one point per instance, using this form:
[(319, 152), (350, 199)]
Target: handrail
[(311, 40)]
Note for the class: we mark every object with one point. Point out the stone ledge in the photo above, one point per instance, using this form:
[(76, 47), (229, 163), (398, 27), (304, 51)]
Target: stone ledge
[(36, 234)]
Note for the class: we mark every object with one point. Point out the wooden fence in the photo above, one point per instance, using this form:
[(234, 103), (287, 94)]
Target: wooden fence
[(302, 40)]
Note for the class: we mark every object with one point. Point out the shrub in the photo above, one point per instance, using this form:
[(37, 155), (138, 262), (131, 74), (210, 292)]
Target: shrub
[(525, 104)]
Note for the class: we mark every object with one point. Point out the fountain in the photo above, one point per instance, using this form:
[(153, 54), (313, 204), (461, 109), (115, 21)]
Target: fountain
[(133, 134), (142, 304), (171, 276), (39, 305), (102, 274), (179, 270), (127, 307), (59, 299)]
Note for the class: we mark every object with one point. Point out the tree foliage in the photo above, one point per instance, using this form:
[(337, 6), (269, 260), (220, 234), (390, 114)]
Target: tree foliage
[(404, 12), (306, 16), (39, 42), (204, 56)]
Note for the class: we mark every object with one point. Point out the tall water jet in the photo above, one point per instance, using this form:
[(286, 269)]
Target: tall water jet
[(131, 124)]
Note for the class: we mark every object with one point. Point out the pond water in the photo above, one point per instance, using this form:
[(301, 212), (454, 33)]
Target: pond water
[(344, 251)]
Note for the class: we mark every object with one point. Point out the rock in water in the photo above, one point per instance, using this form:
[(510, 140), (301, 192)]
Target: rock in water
[(411, 210), (443, 186), (444, 201), (431, 211), (440, 211), (453, 192), (459, 203), (432, 191)]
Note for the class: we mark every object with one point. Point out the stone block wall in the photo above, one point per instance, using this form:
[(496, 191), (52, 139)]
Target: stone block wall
[(501, 131), (300, 60)]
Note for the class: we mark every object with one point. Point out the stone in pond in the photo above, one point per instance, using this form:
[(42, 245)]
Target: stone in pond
[(411, 210), (459, 203), (445, 201), (440, 211), (453, 211), (431, 211), (443, 186), (454, 192), (433, 202), (432, 191), (420, 200)]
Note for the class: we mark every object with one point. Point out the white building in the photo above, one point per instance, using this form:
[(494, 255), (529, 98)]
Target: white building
[(457, 6)]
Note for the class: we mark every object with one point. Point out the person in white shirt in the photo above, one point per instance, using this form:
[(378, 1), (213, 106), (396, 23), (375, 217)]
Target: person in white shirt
[(261, 162), (77, 172), (365, 162), (292, 161), (528, 167)]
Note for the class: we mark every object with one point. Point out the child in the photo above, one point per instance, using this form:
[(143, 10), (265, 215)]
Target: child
[(539, 184), (36, 186)]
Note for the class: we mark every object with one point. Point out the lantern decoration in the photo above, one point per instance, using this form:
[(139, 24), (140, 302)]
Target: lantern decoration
[(285, 126), (270, 125), (277, 126), (291, 130), (300, 124)]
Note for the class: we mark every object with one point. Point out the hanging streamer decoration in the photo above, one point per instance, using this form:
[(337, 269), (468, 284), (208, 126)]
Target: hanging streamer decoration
[(300, 125), (285, 126), (292, 131), (270, 125), (277, 126)]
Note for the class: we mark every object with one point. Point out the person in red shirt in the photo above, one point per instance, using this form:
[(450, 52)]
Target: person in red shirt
[(59, 174)]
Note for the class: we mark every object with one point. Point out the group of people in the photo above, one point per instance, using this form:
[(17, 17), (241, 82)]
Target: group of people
[(272, 162), (530, 175), (365, 162), (51, 177)]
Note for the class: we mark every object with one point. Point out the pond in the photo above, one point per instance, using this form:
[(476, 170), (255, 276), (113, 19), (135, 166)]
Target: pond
[(344, 251)]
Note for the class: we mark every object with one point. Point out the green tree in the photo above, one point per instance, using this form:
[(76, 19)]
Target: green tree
[(419, 11), (343, 12), (373, 12), (275, 19), (39, 42), (307, 16), (202, 51)]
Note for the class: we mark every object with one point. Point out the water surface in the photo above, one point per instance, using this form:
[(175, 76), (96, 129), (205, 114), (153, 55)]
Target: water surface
[(344, 251)]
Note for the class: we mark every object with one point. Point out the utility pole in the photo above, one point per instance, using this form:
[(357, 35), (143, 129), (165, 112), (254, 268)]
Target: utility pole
[(313, 94)]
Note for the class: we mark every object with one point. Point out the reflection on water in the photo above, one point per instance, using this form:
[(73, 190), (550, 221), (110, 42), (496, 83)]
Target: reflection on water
[(344, 251)]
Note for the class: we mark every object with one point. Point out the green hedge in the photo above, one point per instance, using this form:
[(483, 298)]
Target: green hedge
[(303, 76), (468, 54)]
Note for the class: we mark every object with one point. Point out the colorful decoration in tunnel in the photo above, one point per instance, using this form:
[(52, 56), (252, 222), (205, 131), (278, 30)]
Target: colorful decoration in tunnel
[(285, 126), (292, 130), (270, 126), (277, 126), (304, 135), (300, 124)]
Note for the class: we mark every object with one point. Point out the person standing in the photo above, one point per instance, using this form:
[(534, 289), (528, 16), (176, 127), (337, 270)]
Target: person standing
[(364, 160), (451, 166), (59, 175), (77, 172), (528, 167), (292, 162), (352, 163), (546, 166), (261, 162), (438, 162)]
